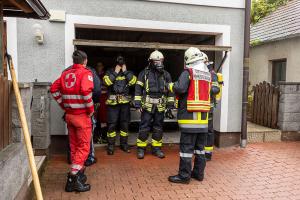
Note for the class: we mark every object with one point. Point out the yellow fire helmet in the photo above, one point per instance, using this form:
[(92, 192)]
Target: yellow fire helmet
[(193, 54), (156, 55)]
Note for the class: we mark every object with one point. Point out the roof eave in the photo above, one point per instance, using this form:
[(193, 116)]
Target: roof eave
[(38, 11), (275, 40)]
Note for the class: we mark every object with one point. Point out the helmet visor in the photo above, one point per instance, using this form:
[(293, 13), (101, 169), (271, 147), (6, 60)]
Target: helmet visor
[(158, 63)]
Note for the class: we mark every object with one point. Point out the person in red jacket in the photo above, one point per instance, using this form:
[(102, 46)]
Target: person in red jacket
[(73, 92)]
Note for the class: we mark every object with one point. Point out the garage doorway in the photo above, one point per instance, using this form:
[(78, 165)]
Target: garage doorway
[(104, 45)]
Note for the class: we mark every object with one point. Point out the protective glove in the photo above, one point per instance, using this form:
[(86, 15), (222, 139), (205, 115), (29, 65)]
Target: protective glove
[(169, 114)]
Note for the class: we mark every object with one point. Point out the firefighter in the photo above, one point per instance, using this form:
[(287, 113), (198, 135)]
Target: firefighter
[(152, 98), (118, 80), (193, 89), (218, 82), (73, 92)]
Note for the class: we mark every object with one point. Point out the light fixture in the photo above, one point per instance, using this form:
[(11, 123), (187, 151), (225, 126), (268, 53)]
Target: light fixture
[(38, 33)]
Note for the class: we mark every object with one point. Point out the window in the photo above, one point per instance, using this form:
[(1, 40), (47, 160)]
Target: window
[(278, 71)]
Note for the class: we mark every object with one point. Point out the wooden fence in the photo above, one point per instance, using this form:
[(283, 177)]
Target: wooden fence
[(5, 112), (265, 104)]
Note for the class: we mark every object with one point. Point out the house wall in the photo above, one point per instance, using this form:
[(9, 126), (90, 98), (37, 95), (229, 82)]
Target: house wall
[(45, 62), (261, 56)]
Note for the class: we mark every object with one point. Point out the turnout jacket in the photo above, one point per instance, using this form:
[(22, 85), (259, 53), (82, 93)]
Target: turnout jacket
[(152, 86), (97, 86), (189, 122), (73, 90), (118, 86)]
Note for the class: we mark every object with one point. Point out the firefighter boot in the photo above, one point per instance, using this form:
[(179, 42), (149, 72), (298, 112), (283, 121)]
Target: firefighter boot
[(199, 166), (110, 149), (140, 153), (179, 179), (75, 185), (156, 151), (111, 146), (124, 144), (208, 156)]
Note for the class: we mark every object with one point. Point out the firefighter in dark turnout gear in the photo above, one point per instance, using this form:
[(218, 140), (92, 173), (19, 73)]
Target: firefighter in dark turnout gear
[(217, 81), (118, 81), (193, 89), (152, 98)]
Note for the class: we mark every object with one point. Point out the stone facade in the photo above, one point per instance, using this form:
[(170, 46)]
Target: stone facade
[(40, 116), (289, 107), (14, 167)]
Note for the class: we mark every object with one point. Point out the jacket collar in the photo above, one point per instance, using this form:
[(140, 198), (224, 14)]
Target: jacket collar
[(78, 66)]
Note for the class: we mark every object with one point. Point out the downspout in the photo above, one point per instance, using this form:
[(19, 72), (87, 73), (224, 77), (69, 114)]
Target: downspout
[(245, 73)]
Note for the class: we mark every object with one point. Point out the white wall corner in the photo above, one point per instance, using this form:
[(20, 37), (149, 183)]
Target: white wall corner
[(12, 41)]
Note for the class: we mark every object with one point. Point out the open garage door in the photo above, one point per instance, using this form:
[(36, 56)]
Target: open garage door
[(104, 45)]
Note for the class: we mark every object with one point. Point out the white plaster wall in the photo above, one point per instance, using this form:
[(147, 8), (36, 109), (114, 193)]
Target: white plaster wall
[(12, 47), (45, 62), (260, 57)]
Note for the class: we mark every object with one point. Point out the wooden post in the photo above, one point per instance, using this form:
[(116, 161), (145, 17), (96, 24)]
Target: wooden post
[(1, 37), (34, 173)]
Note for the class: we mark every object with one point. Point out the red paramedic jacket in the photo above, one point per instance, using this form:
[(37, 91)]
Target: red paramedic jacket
[(73, 90)]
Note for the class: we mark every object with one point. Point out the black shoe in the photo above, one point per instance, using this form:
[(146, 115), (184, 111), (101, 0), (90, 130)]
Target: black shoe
[(75, 185), (140, 154), (90, 161), (158, 153), (178, 179), (197, 177), (208, 156), (82, 176), (125, 148), (110, 149)]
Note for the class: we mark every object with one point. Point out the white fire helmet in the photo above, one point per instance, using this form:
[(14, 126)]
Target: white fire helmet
[(193, 54), (156, 55)]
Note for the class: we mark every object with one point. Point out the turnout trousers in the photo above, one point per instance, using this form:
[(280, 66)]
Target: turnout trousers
[(192, 144), (118, 116), (149, 120), (80, 132), (211, 134)]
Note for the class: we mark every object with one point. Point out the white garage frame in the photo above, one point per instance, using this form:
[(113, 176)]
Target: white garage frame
[(222, 33)]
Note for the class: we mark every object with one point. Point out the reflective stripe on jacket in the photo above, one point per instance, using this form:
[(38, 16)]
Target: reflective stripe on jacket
[(118, 85)]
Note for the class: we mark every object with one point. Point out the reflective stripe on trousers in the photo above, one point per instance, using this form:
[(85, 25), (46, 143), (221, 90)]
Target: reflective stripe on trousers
[(141, 143), (198, 152), (186, 155), (111, 134), (123, 134), (156, 143)]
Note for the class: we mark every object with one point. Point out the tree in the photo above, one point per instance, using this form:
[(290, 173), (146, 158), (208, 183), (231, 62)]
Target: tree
[(262, 8)]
